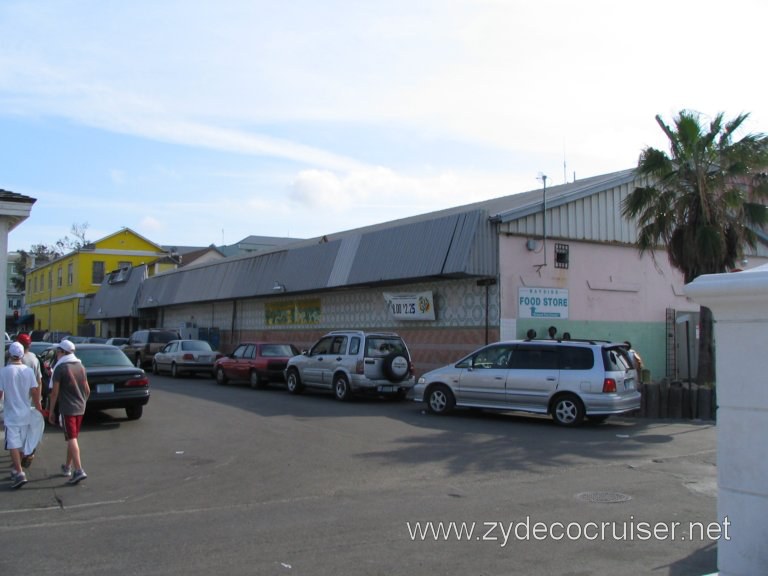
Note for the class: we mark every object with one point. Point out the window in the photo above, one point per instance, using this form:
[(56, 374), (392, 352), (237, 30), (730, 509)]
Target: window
[(573, 358), (70, 273), (495, 357), (561, 255), (97, 276), (59, 276), (535, 358)]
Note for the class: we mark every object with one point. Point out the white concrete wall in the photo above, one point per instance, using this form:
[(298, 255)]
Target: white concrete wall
[(739, 302)]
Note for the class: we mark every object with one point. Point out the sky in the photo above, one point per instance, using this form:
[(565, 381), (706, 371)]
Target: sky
[(199, 122)]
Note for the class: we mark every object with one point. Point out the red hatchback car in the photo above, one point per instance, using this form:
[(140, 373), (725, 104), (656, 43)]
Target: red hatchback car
[(255, 362)]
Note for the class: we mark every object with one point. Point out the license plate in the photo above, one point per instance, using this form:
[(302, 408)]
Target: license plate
[(386, 388), (629, 384), (105, 388)]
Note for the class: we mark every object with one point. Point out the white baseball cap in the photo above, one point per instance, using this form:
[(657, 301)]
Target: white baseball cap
[(67, 346), (16, 350)]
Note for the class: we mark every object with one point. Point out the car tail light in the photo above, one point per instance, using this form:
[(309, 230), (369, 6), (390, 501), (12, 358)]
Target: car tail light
[(359, 367), (188, 356), (411, 368), (609, 385), (137, 383)]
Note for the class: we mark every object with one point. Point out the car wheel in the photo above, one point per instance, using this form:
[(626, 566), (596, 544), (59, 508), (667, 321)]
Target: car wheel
[(341, 388), (440, 399), (134, 412), (396, 367), (255, 380), (293, 382), (568, 410), (155, 369), (221, 378), (174, 371)]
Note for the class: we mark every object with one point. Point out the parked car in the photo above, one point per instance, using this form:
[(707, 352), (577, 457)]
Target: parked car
[(256, 362), (568, 379), (185, 357), (350, 361), (119, 342), (143, 344), (115, 382)]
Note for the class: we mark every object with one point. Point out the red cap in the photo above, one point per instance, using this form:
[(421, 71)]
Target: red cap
[(24, 340)]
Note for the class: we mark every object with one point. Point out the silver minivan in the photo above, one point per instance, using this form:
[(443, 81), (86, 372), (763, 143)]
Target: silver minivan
[(352, 361), (569, 380)]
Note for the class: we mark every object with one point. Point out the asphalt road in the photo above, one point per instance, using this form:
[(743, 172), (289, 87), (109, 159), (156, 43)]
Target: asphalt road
[(229, 480)]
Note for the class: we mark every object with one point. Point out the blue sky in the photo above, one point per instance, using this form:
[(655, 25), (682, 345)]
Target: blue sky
[(195, 122)]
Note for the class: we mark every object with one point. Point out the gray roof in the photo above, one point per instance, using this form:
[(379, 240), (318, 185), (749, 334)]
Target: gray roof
[(458, 244), (118, 294)]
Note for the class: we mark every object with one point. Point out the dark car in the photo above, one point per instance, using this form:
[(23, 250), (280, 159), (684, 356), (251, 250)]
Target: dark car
[(143, 344), (255, 362), (115, 382)]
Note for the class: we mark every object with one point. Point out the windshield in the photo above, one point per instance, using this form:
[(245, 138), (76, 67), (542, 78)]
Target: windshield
[(99, 357), (196, 345), (278, 350)]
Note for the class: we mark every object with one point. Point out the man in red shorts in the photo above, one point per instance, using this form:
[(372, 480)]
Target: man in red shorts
[(71, 390)]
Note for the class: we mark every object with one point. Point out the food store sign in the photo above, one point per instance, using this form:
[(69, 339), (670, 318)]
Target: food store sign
[(542, 303), (412, 306)]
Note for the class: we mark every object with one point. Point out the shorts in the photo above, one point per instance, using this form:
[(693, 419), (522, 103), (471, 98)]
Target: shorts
[(71, 425), (15, 436)]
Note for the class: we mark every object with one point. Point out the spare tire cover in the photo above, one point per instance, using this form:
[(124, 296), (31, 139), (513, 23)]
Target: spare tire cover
[(396, 367)]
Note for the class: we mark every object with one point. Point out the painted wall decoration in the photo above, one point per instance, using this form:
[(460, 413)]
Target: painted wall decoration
[(292, 312)]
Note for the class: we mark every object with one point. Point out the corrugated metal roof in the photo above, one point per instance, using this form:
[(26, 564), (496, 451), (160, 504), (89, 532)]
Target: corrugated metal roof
[(118, 298), (453, 245), (454, 242)]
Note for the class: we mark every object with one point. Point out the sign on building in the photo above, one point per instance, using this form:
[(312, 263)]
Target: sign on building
[(542, 303), (412, 306)]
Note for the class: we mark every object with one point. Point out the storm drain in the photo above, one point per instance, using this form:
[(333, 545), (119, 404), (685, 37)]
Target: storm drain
[(603, 497)]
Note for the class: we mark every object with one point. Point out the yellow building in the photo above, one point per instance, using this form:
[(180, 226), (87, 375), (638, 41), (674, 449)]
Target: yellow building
[(59, 292)]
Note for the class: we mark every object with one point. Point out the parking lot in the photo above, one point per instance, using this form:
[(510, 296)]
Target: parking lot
[(233, 480)]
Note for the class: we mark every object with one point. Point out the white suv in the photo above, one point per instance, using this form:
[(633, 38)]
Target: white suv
[(568, 379), (351, 361)]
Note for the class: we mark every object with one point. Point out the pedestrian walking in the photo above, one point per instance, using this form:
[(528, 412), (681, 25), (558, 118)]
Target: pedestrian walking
[(17, 388), (38, 425), (71, 391)]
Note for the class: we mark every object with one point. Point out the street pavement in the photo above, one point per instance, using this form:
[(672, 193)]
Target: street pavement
[(239, 481)]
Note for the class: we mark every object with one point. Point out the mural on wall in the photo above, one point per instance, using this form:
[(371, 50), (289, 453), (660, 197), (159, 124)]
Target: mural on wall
[(411, 306), (292, 312)]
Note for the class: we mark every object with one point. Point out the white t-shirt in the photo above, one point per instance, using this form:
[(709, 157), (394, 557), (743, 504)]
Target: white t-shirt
[(16, 381)]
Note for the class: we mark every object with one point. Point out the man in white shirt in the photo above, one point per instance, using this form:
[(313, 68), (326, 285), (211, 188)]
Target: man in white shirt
[(17, 387)]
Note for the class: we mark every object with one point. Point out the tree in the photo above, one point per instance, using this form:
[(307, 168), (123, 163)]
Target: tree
[(703, 202), (44, 253)]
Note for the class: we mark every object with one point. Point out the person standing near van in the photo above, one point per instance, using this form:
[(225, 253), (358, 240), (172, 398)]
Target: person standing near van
[(71, 390), (637, 361)]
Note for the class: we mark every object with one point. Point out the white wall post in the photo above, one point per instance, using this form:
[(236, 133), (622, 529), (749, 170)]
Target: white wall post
[(739, 303)]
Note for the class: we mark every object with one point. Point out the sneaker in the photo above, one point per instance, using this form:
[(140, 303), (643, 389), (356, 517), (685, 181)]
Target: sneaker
[(77, 475), (66, 471), (19, 480)]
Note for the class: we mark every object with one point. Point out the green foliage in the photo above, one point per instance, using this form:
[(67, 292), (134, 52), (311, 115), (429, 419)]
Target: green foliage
[(703, 200)]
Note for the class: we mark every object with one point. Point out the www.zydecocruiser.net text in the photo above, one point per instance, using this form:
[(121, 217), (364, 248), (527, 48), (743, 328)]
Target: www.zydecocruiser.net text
[(527, 530)]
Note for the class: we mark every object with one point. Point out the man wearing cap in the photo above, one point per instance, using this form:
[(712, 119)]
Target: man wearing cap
[(71, 391), (17, 386), (30, 359)]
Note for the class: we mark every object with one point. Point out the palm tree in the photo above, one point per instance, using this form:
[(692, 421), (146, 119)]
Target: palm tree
[(703, 201)]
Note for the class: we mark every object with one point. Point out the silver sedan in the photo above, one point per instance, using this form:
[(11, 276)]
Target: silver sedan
[(185, 357)]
